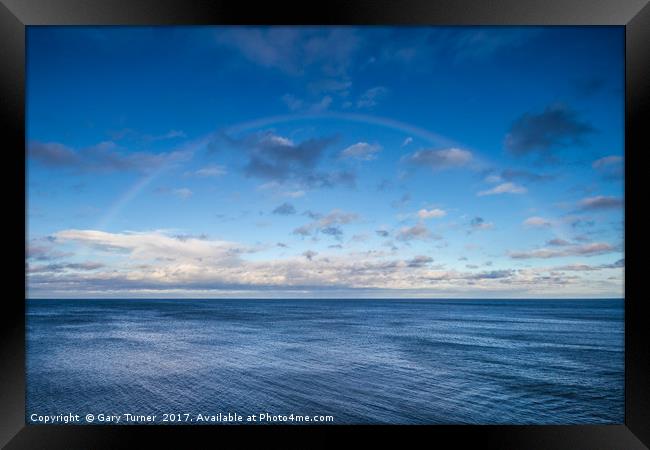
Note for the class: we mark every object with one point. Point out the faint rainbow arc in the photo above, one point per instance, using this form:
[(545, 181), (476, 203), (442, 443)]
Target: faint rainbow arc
[(433, 138)]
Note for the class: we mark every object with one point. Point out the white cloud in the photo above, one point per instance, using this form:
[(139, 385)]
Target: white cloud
[(362, 151), (407, 141), (504, 188), (211, 171), (294, 194), (183, 193), (537, 222), (156, 263), (607, 161), (149, 245), (431, 213)]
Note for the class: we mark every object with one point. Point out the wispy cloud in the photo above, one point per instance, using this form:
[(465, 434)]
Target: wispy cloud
[(538, 222), (211, 171), (183, 193), (284, 209), (610, 167), (361, 151), (103, 157), (294, 50), (418, 231), (328, 224), (558, 242), (595, 248), (440, 159), (600, 202), (504, 188), (371, 97), (431, 213)]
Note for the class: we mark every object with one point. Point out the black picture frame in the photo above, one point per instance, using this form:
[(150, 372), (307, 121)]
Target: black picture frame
[(634, 15)]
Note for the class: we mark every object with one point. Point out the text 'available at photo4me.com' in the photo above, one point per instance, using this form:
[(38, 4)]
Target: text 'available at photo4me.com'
[(199, 418)]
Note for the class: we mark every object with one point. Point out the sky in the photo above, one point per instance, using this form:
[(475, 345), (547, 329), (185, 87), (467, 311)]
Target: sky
[(325, 162)]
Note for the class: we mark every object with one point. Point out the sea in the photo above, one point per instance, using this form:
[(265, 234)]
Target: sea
[(424, 361)]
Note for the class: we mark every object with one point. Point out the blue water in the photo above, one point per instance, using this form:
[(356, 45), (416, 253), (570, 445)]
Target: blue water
[(360, 361)]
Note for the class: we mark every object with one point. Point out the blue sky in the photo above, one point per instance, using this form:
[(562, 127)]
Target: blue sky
[(325, 162)]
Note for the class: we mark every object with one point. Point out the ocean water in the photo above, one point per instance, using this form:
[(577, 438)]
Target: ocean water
[(359, 361)]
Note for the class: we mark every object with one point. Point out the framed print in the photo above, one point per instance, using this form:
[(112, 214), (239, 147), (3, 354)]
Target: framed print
[(374, 217)]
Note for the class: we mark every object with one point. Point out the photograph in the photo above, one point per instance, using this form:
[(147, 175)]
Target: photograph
[(325, 225)]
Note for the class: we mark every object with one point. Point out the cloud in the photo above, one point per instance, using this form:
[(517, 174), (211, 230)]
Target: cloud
[(607, 161), (611, 167), (332, 179), (579, 221), (277, 157), (440, 159), (304, 230), (280, 159), (155, 264), (183, 193), (129, 133), (431, 213), (294, 50), (407, 141), (382, 233), (419, 261), (491, 275), (619, 264), (53, 154), (416, 232), (85, 266), (284, 209), (337, 216), (103, 157), (557, 242), (44, 251), (326, 223), (384, 185), (330, 85), (211, 171), (371, 97), (402, 201), (541, 133), (595, 248), (293, 103), (362, 151), (478, 223), (600, 202), (296, 104), (480, 43), (504, 188), (524, 175), (537, 222), (151, 245), (334, 231), (294, 194)]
